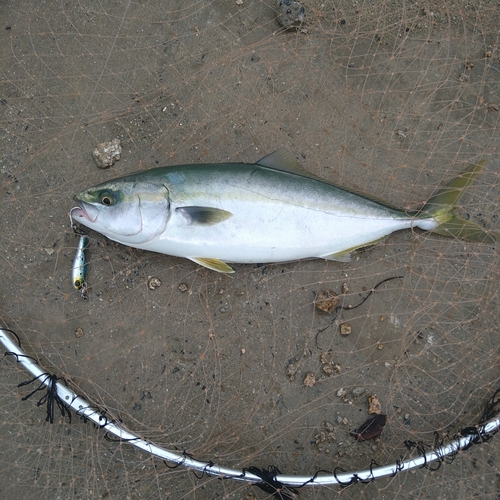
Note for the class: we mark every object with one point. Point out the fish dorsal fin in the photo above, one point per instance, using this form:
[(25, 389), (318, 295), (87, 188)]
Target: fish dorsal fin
[(283, 160)]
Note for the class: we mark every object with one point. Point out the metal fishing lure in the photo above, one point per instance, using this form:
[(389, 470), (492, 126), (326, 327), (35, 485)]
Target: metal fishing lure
[(79, 270)]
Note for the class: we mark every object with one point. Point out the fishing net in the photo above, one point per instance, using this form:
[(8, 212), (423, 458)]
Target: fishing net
[(246, 372)]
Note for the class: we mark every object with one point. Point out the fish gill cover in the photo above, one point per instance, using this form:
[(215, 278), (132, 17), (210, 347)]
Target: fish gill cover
[(392, 98)]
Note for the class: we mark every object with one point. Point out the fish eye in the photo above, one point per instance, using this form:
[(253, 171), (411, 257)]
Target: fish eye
[(107, 198)]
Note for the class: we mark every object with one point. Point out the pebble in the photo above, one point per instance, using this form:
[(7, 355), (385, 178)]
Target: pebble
[(290, 372), (345, 329), (329, 427), (107, 153), (327, 301), (327, 370), (357, 391), (375, 405), (154, 282), (309, 379), (325, 358), (290, 13)]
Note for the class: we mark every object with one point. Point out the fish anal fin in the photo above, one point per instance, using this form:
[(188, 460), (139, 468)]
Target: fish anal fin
[(345, 255), (204, 216), (213, 264)]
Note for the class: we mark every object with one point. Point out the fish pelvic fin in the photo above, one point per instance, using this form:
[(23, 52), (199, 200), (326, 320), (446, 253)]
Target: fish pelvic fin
[(442, 208), (213, 264)]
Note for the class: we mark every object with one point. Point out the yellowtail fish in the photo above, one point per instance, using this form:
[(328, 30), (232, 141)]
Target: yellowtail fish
[(79, 270), (270, 211)]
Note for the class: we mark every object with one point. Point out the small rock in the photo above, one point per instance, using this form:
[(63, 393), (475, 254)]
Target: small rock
[(329, 427), (327, 301), (375, 406), (326, 357), (327, 370), (79, 333), (320, 438), (290, 13), (345, 329), (309, 379), (357, 391), (107, 153), (290, 372), (154, 282)]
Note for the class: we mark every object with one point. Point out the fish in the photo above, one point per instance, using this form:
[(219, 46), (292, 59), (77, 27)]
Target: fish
[(79, 269), (269, 211)]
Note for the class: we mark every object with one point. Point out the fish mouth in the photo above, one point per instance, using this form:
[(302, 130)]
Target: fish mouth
[(83, 212)]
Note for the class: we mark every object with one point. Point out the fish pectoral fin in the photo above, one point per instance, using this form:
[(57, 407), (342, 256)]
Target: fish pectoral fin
[(213, 264), (204, 216)]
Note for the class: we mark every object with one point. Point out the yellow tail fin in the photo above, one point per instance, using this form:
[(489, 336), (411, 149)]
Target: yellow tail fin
[(442, 207)]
